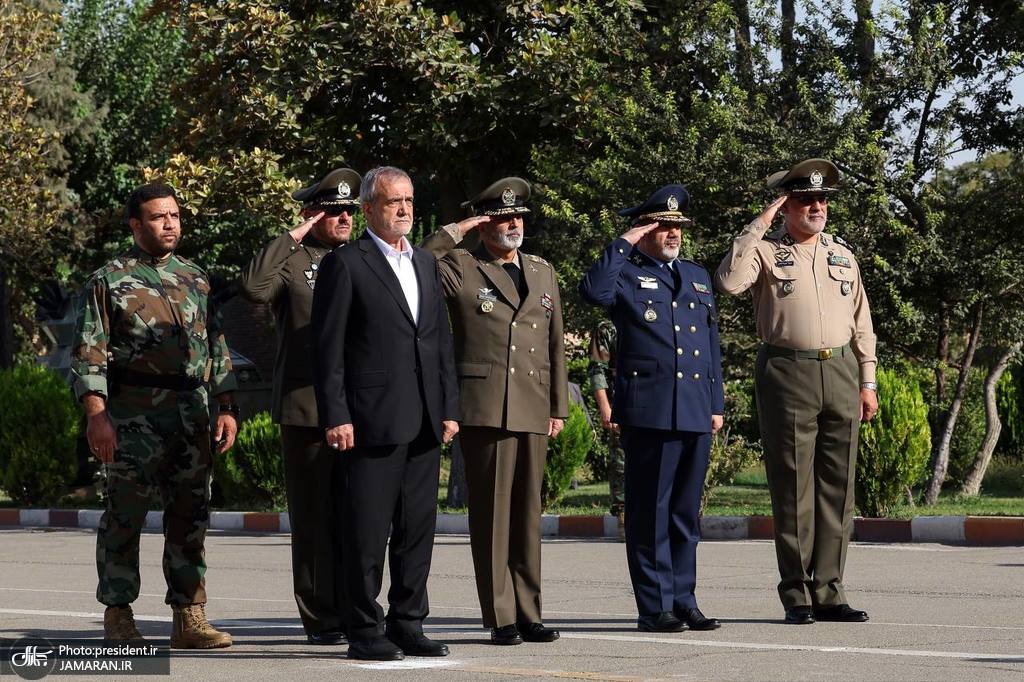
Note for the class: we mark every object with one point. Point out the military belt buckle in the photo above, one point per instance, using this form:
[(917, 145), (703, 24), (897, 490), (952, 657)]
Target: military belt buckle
[(825, 354)]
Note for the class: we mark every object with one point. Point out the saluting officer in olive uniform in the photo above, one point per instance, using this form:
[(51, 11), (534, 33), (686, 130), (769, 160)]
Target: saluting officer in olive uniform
[(815, 382), (668, 402), (507, 324), (284, 274)]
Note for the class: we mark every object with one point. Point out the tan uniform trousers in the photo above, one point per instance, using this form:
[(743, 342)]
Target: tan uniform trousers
[(504, 472), (809, 412)]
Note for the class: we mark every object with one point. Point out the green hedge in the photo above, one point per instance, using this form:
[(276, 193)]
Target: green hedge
[(252, 473), (566, 454), (895, 446), (39, 424)]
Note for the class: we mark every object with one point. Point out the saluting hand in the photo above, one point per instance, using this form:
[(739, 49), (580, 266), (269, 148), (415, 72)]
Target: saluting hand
[(300, 230), (469, 224), (770, 211), (634, 234)]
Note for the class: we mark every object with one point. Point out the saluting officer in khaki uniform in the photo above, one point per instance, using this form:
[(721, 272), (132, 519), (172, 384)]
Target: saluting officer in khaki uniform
[(284, 274), (815, 382), (507, 324)]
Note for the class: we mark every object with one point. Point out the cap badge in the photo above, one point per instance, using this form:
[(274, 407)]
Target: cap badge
[(817, 179), (508, 197), (672, 203), (343, 189)]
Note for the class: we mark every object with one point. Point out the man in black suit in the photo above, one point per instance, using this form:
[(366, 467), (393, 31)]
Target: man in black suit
[(387, 397)]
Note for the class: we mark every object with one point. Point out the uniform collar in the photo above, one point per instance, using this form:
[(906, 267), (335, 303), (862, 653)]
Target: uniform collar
[(148, 259)]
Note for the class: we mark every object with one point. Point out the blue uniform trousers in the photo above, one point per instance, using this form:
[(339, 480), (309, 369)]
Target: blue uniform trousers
[(665, 473)]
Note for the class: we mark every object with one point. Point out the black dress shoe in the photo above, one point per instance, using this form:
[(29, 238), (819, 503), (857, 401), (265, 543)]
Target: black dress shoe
[(417, 644), (507, 635), (841, 613), (374, 649), (697, 620), (536, 632), (799, 615), (327, 637), (660, 622)]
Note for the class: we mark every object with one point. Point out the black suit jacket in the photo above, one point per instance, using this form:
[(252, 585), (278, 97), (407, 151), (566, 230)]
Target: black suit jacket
[(373, 367)]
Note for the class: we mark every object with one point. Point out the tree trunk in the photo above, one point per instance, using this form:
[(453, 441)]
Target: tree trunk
[(788, 46), (941, 460), (744, 59), (940, 369), (864, 41), (972, 484), (457, 495), (6, 319)]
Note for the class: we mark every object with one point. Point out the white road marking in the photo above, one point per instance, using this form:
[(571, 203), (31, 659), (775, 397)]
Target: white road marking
[(678, 641), (406, 665)]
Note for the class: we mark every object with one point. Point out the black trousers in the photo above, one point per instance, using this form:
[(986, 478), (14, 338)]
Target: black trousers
[(391, 487), (312, 472)]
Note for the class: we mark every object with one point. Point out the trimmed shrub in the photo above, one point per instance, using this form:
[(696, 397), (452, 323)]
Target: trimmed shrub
[(731, 452), (566, 454), (39, 424), (895, 446), (252, 473)]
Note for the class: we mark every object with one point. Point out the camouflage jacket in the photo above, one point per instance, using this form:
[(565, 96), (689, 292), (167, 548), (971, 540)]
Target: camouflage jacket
[(601, 369), (150, 316)]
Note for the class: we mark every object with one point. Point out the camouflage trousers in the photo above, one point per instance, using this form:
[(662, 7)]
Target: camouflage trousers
[(616, 474), (154, 457)]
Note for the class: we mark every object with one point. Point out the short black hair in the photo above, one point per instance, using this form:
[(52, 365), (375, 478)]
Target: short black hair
[(148, 192)]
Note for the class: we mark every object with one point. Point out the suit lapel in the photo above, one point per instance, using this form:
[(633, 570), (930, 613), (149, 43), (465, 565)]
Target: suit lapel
[(378, 264), (490, 268)]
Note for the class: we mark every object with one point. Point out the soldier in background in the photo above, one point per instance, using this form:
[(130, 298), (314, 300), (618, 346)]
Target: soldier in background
[(284, 274), (601, 370), (148, 352)]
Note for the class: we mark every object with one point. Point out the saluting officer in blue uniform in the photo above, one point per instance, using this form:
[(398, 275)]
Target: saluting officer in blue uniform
[(668, 401)]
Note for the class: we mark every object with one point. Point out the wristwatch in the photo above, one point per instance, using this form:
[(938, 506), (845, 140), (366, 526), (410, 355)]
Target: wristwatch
[(870, 385), (233, 408)]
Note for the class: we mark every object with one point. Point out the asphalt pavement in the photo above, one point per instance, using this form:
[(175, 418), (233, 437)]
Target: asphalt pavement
[(938, 612)]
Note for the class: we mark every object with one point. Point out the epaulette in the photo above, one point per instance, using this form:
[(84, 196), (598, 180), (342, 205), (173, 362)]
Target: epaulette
[(841, 242), (537, 259), (113, 265), (191, 264)]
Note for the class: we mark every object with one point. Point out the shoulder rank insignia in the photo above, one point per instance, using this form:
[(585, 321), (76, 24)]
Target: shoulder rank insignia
[(701, 288), (636, 259), (841, 241)]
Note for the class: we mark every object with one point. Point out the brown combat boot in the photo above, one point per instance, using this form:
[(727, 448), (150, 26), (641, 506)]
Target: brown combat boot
[(191, 630), (119, 625)]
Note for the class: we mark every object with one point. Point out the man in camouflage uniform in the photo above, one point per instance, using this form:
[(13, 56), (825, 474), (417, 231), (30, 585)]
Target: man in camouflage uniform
[(147, 345), (603, 343)]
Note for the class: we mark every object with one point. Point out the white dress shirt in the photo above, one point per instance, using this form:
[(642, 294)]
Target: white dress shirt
[(401, 263)]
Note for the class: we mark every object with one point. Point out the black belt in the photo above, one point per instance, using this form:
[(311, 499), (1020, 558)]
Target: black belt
[(171, 382), (815, 354)]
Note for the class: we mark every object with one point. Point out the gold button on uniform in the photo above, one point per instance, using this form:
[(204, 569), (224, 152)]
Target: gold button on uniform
[(515, 324), (674, 304), (692, 305), (532, 349), (634, 373), (693, 329), (696, 353), (530, 372), (679, 351), (696, 376), (679, 375), (511, 370), (677, 327), (512, 348), (534, 325)]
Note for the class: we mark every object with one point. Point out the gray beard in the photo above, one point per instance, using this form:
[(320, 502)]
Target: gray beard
[(508, 241)]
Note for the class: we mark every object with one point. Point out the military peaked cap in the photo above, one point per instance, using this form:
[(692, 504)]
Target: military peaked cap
[(819, 176), (507, 196), (340, 187), (664, 206)]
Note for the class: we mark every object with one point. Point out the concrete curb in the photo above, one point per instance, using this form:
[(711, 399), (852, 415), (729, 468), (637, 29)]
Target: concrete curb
[(979, 531)]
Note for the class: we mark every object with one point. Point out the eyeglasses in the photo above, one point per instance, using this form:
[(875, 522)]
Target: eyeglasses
[(335, 211), (810, 199)]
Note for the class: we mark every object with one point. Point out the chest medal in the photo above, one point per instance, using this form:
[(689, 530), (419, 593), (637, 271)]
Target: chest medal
[(787, 287), (649, 314), (845, 288)]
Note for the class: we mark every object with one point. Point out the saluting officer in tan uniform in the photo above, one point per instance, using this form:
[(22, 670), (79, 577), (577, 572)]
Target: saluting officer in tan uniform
[(815, 382), (284, 274), (507, 324)]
